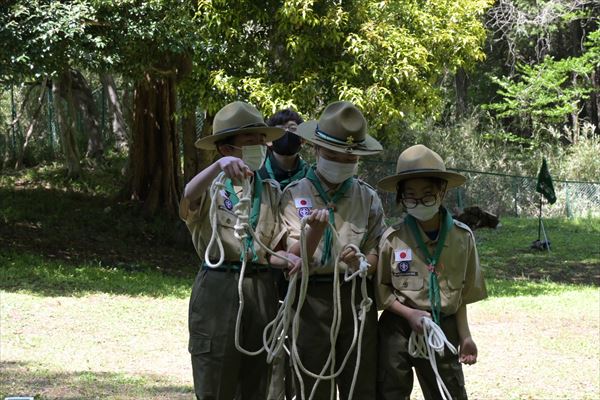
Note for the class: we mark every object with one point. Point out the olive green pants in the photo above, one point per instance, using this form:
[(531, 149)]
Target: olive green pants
[(220, 371), (314, 343), (395, 374)]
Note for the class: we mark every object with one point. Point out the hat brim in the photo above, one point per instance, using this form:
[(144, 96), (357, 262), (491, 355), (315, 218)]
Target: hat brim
[(208, 143), (306, 130), (389, 183)]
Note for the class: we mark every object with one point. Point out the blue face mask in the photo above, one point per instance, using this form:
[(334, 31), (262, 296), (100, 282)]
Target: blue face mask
[(287, 145)]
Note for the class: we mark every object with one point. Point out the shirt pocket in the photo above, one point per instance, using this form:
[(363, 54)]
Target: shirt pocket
[(413, 283), (356, 236)]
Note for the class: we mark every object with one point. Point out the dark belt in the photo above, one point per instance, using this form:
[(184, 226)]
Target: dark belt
[(236, 266), (324, 278)]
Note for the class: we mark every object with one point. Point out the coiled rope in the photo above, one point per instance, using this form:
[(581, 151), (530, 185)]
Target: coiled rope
[(275, 332), (426, 345)]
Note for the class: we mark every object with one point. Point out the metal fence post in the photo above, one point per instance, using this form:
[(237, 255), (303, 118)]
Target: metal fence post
[(568, 201)]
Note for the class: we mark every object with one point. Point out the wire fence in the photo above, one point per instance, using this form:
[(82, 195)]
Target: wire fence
[(500, 194)]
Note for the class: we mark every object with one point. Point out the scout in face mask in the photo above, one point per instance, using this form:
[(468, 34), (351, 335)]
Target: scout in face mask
[(427, 272), (335, 167), (239, 134), (328, 196)]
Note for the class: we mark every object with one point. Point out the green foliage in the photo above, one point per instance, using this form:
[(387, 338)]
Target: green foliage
[(39, 38), (546, 93), (384, 56)]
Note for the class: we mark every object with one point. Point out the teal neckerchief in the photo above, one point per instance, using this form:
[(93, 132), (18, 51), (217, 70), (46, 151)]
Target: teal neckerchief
[(298, 175), (255, 213), (434, 285), (310, 175)]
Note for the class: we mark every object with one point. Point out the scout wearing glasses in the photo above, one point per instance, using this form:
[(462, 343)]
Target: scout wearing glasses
[(331, 193), (428, 266), (219, 370)]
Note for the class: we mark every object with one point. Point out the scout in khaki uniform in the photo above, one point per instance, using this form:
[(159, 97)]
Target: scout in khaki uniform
[(428, 266), (220, 371), (330, 192), (283, 164)]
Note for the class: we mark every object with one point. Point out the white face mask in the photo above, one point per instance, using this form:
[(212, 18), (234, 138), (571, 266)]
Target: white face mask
[(254, 156), (336, 172), (425, 213)]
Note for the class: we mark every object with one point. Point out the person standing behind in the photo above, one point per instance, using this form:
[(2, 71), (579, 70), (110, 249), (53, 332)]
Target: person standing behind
[(331, 193), (220, 371), (284, 165), (283, 162), (428, 267)]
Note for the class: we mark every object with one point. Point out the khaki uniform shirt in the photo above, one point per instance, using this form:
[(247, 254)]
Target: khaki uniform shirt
[(460, 277), (268, 228), (358, 215)]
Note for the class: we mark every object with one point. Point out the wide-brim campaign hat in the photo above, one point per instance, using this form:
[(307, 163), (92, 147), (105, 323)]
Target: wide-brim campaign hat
[(418, 161), (342, 128), (237, 118)]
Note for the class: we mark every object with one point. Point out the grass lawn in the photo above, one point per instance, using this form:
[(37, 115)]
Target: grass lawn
[(93, 302)]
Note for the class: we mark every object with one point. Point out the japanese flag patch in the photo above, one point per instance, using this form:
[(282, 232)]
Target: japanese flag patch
[(303, 202), (403, 255)]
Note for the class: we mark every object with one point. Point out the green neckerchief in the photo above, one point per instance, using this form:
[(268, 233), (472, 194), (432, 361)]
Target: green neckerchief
[(255, 213), (300, 172), (310, 175), (434, 285)]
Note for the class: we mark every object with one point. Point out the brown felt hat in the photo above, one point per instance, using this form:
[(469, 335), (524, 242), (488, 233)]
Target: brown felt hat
[(237, 118), (341, 128), (419, 161)]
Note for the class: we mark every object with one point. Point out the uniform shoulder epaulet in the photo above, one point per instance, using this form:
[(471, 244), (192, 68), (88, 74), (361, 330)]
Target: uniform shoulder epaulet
[(363, 183), (290, 185), (387, 233), (462, 225)]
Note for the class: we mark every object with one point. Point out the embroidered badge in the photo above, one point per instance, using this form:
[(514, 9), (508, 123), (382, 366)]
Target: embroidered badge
[(403, 255), (228, 204), (303, 202), (403, 266), (303, 212)]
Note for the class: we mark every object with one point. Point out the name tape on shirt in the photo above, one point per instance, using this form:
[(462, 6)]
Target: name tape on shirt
[(302, 202), (403, 255)]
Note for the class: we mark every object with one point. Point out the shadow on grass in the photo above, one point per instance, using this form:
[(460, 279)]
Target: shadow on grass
[(76, 228), (527, 287), (26, 379), (33, 274)]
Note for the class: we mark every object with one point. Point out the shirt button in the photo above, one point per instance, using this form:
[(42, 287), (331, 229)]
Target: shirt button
[(228, 220), (404, 284)]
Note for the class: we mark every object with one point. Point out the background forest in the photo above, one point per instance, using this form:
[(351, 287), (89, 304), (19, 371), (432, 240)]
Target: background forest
[(129, 85)]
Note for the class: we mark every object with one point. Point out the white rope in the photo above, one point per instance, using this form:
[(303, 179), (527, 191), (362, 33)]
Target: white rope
[(336, 318), (426, 345), (276, 331)]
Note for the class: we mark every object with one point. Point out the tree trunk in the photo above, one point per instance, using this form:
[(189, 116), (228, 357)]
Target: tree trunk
[(86, 105), (195, 160), (460, 84), (30, 128), (594, 101), (62, 87), (115, 112), (154, 171)]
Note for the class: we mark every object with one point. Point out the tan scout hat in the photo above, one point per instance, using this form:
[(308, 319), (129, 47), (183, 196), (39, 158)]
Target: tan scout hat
[(420, 162), (341, 128), (235, 118)]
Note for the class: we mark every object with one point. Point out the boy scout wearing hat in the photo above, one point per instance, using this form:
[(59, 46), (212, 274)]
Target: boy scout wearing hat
[(330, 192), (219, 370), (426, 247)]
